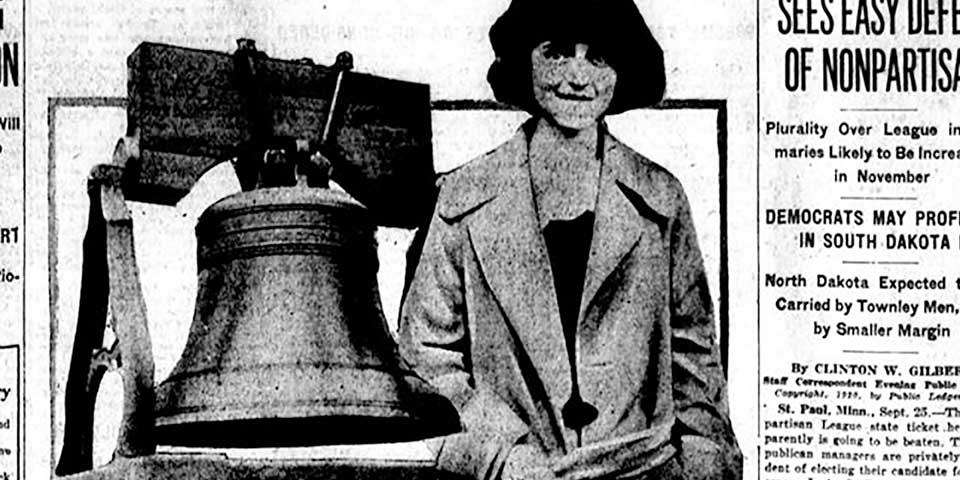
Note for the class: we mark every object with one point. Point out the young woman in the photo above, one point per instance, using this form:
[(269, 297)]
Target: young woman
[(560, 299)]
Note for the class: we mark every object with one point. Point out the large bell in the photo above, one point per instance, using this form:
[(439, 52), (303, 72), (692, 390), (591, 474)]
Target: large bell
[(289, 345)]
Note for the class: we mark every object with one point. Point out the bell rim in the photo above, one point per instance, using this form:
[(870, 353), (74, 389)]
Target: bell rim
[(392, 396), (302, 388), (304, 432)]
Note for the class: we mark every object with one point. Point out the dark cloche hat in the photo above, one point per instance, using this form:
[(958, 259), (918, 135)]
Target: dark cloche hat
[(616, 27)]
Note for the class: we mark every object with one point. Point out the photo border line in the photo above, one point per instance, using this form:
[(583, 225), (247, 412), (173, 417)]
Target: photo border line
[(54, 104)]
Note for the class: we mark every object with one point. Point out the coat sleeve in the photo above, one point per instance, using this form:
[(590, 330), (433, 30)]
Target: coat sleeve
[(699, 386), (435, 341)]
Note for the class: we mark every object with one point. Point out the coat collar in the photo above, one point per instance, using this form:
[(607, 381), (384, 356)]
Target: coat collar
[(497, 174), (494, 197)]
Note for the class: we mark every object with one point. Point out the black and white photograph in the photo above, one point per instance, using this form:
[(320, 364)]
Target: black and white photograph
[(500, 240)]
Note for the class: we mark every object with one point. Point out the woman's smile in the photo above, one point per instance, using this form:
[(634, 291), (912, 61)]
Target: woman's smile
[(572, 84), (573, 96)]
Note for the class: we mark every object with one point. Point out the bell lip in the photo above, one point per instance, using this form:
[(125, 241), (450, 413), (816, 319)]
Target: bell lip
[(400, 404), (286, 390), (304, 432)]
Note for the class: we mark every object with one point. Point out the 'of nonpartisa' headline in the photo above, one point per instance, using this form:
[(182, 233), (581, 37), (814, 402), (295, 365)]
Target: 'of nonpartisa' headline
[(875, 65)]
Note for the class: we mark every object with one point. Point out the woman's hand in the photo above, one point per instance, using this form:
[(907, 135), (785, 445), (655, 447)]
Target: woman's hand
[(526, 462)]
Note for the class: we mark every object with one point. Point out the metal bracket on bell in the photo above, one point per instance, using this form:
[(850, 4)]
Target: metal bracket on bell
[(299, 165), (110, 286), (313, 169), (269, 161)]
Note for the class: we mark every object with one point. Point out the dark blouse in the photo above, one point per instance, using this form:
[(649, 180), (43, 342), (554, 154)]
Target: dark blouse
[(568, 244)]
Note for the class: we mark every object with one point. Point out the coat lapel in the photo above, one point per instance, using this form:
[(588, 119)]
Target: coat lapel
[(505, 235), (622, 214), (513, 257)]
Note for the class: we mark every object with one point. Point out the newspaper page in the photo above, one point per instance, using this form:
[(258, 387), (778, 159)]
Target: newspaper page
[(810, 142)]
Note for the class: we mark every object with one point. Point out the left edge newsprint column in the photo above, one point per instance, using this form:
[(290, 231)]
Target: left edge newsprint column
[(12, 219)]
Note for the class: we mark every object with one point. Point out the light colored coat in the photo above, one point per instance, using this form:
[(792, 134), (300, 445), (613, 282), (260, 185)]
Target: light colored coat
[(480, 321)]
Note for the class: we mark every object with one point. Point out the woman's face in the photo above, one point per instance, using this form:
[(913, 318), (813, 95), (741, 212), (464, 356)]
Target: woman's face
[(571, 83)]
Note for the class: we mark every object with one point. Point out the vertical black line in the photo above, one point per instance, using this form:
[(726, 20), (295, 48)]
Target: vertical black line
[(21, 415), (757, 146), (724, 269), (52, 266)]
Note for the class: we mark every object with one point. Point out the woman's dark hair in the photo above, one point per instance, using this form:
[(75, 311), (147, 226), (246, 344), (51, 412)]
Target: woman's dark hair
[(615, 27)]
